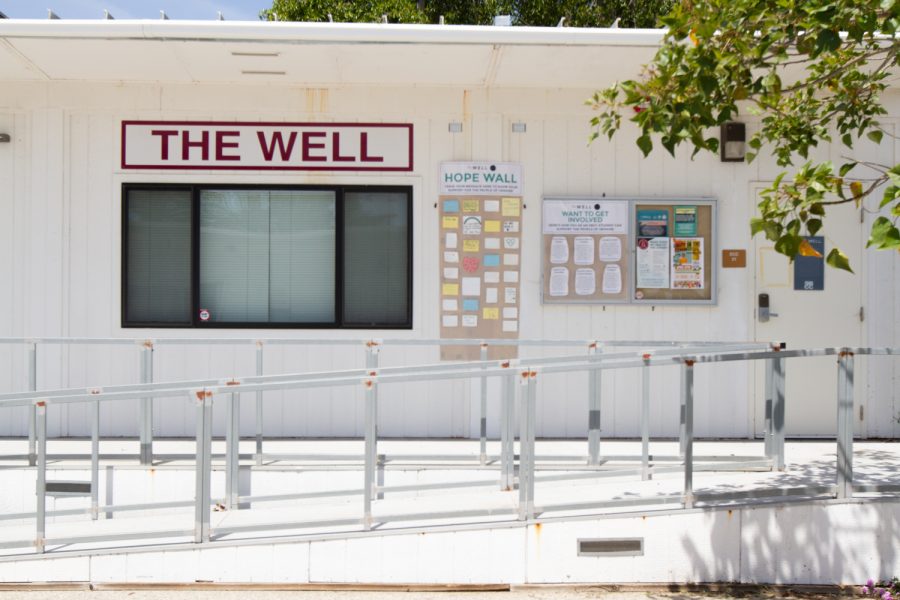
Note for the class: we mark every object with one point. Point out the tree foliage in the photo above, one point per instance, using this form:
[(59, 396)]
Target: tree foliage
[(810, 70), (541, 13)]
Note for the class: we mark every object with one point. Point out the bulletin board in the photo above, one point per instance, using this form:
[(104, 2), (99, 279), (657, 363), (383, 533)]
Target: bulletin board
[(480, 258), (628, 250), (674, 251), (585, 251)]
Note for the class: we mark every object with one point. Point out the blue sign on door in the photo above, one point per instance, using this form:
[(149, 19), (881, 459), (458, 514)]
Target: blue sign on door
[(809, 271)]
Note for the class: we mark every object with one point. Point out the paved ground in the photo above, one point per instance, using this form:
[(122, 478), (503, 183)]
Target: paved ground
[(567, 593)]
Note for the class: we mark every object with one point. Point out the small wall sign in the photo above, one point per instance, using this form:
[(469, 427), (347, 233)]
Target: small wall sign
[(734, 259)]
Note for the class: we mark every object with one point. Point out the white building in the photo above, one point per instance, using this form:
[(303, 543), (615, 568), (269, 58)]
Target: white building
[(106, 230)]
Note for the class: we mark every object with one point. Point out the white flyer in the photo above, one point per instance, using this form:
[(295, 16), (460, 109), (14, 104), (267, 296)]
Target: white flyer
[(450, 321), (510, 326), (510, 312), (653, 263), (451, 240), (584, 250), (585, 282), (510, 277), (559, 281), (509, 295), (491, 243), (451, 273), (511, 260), (492, 276), (451, 257), (612, 279), (610, 249), (470, 320), (490, 295), (559, 250)]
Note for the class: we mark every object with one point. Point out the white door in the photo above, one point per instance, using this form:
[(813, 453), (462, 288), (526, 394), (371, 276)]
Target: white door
[(810, 319)]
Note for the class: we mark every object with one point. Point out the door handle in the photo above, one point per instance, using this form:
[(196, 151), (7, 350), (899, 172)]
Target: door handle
[(763, 311)]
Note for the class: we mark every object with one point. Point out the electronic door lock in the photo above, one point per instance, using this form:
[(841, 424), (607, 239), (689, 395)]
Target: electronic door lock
[(763, 309)]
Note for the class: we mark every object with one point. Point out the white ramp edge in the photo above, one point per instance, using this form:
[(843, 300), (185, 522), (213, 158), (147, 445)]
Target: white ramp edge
[(824, 543)]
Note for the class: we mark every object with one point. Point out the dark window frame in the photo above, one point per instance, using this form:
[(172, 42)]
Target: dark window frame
[(339, 320)]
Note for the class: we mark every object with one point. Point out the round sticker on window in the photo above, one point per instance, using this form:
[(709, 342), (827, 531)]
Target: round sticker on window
[(204, 314)]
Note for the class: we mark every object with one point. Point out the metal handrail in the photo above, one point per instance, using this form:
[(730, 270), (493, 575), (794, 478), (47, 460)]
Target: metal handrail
[(526, 372)]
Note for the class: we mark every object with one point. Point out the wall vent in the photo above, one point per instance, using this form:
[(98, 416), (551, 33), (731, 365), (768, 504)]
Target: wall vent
[(611, 547)]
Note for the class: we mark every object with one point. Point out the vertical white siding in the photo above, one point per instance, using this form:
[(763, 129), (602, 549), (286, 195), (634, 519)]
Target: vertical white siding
[(60, 252)]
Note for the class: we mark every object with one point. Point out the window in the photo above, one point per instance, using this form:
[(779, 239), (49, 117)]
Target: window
[(237, 256)]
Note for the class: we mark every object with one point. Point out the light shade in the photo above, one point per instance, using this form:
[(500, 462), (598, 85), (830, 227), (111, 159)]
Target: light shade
[(732, 140)]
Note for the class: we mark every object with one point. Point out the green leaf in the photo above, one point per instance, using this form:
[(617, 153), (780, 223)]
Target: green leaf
[(757, 225), (817, 208), (838, 260), (847, 167), (884, 235), (813, 226), (828, 40), (875, 135), (645, 144)]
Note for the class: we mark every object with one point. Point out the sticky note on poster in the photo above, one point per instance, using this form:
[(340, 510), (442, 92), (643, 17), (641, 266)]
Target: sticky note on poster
[(450, 304), (450, 223), (471, 245), (510, 207), (470, 304), (490, 295), (492, 277), (491, 314), (470, 320), (492, 226), (471, 225), (470, 205), (450, 240), (491, 260), (450, 289), (451, 206), (451, 257), (450, 321), (491, 206), (451, 273), (471, 286), (510, 326), (491, 243)]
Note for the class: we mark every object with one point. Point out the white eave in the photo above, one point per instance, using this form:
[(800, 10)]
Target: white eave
[(312, 54)]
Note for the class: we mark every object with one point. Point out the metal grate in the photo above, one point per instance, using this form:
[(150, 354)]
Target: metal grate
[(611, 547)]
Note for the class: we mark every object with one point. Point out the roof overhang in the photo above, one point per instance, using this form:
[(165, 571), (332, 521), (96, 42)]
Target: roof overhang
[(320, 54)]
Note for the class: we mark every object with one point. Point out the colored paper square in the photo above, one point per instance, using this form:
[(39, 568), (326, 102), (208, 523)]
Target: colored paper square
[(491, 313), (451, 206), (510, 207), (492, 226), (450, 289), (470, 304), (470, 205), (451, 223), (471, 245), (491, 260)]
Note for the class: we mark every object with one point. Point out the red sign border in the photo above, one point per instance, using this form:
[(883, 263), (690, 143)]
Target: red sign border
[(126, 123)]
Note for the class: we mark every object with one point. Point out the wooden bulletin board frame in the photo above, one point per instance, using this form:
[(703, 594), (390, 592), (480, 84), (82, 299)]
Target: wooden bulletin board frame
[(706, 228)]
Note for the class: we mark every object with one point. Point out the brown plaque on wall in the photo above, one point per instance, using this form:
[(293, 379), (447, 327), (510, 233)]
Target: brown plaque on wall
[(734, 259)]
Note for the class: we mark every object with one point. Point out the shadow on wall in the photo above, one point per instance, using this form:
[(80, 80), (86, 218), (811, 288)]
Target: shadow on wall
[(821, 543)]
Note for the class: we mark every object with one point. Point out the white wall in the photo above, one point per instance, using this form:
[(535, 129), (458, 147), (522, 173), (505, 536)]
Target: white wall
[(60, 215)]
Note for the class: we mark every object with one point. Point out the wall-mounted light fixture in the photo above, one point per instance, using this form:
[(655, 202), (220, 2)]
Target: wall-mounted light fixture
[(4, 138), (519, 127), (454, 127), (732, 140)]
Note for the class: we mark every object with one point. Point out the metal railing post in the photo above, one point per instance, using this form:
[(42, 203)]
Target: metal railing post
[(40, 408), (483, 422), (146, 416), (507, 431), (32, 387), (203, 466), (769, 394), (687, 371), (232, 450), (95, 460), (778, 408), (682, 429), (593, 410), (369, 485), (528, 389), (845, 425), (645, 418), (259, 405)]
